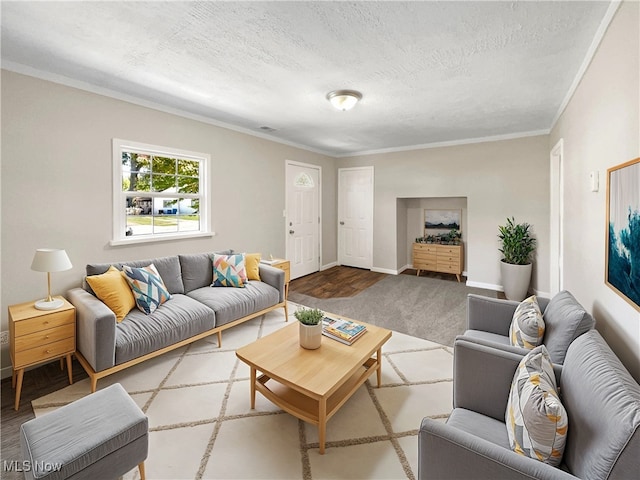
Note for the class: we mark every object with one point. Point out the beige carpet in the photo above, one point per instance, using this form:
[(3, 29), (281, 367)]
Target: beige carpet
[(201, 424)]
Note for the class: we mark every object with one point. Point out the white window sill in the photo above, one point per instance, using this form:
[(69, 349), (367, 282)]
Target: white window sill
[(158, 238)]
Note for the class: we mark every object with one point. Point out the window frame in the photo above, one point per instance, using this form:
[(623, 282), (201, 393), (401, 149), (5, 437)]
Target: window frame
[(119, 196)]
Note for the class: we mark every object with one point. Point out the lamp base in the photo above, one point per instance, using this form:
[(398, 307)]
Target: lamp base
[(52, 305)]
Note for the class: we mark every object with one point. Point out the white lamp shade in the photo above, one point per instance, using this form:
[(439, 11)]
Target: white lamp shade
[(50, 260)]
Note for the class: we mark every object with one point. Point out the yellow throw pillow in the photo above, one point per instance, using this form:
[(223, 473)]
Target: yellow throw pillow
[(114, 291), (252, 265)]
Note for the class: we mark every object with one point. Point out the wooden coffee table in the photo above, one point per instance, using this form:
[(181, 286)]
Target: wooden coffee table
[(312, 384)]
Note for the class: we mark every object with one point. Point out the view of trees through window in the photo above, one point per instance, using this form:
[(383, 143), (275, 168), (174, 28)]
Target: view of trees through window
[(162, 193)]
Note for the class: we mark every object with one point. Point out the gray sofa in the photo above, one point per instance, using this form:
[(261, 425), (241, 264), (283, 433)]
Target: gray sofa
[(194, 311), (488, 321), (601, 398)]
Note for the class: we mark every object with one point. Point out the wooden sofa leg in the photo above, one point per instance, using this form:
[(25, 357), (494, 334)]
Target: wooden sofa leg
[(286, 311), (141, 470), (219, 338), (94, 384)]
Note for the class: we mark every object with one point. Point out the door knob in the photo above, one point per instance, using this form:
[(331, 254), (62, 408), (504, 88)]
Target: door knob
[(341, 223), (291, 232)]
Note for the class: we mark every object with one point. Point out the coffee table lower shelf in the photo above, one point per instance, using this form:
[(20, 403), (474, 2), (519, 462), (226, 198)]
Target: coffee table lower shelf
[(314, 410)]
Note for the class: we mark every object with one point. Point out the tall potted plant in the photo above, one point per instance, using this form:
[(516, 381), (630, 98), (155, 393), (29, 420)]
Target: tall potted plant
[(310, 327), (518, 245)]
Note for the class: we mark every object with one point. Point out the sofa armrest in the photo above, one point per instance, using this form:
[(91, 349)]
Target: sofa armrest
[(95, 329), (482, 377), (446, 452), (490, 314), (273, 276)]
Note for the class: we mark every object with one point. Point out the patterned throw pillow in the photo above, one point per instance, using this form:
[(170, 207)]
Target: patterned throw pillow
[(147, 287), (229, 271), (536, 420), (527, 325)]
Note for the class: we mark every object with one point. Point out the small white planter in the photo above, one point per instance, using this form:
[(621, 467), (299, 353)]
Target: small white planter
[(310, 336), (515, 280)]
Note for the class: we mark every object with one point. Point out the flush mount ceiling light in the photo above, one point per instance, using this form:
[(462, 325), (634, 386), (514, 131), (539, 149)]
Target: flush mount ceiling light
[(344, 99)]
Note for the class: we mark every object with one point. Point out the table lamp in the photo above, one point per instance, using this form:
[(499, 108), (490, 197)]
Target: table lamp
[(50, 260)]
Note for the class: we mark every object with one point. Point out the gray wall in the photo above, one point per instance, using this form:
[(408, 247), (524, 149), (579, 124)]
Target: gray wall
[(498, 179), (600, 129), (56, 184)]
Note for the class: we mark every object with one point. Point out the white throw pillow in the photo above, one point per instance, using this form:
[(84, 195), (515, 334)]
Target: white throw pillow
[(536, 420), (527, 325)]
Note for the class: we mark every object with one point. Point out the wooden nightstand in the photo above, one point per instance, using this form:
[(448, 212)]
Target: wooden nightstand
[(37, 336), (284, 265)]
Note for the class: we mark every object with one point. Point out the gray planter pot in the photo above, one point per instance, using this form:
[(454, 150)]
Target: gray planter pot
[(515, 280), (310, 336)]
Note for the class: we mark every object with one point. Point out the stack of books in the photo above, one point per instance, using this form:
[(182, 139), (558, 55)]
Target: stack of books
[(344, 331)]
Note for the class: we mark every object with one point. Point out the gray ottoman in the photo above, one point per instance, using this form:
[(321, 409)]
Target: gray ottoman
[(101, 436)]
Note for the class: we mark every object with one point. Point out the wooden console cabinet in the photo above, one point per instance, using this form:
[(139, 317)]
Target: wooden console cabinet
[(438, 258)]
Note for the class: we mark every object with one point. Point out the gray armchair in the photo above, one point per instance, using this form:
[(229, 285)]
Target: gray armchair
[(488, 321), (601, 399)]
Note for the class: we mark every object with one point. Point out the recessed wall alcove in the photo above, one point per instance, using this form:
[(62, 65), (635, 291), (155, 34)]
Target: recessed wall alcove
[(410, 219)]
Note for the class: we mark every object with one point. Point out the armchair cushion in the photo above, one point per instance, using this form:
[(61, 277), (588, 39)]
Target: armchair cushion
[(565, 320)]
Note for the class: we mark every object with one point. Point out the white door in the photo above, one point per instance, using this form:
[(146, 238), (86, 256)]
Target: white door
[(303, 218), (355, 217), (556, 212)]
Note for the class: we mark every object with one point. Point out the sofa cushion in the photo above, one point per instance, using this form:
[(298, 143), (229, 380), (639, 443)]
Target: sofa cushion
[(228, 270), (168, 268), (536, 419), (175, 320), (112, 288), (604, 403), (147, 286), (196, 269), (527, 326), (565, 320), (233, 303)]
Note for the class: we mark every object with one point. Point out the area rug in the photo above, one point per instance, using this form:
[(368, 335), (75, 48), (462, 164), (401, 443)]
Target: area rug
[(424, 307), (201, 424)]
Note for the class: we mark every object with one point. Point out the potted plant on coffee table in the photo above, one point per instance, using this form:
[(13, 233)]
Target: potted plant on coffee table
[(518, 244), (310, 320)]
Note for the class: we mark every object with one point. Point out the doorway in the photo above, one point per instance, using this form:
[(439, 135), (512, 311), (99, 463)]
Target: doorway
[(302, 201), (556, 233)]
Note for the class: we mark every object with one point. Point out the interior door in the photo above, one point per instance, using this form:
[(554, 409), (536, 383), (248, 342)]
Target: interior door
[(303, 218), (355, 217), (556, 232)]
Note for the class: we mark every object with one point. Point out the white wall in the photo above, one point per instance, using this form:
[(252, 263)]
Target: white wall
[(499, 179), (601, 128), (56, 184)]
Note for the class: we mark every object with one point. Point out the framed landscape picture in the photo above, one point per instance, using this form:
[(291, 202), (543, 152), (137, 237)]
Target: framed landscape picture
[(441, 221), (622, 261)]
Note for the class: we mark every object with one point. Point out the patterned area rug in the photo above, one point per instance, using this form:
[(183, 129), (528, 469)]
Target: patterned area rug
[(201, 424)]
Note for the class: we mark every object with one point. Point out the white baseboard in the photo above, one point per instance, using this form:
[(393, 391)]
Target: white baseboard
[(6, 372), (384, 270), (402, 269), (541, 294), (487, 286), (328, 266)]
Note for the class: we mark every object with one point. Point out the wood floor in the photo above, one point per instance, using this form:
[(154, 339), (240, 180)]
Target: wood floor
[(335, 282)]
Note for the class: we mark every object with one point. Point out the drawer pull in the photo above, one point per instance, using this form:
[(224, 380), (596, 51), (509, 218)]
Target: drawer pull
[(46, 322), (47, 351), (46, 337)]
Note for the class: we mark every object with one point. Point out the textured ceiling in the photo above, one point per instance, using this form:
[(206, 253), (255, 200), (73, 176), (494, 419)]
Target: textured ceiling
[(429, 72)]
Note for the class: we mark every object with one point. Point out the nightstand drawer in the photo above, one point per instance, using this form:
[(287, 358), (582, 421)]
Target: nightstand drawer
[(44, 337), (46, 322), (44, 352)]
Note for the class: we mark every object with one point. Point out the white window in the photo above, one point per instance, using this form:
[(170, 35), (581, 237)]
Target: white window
[(159, 193)]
